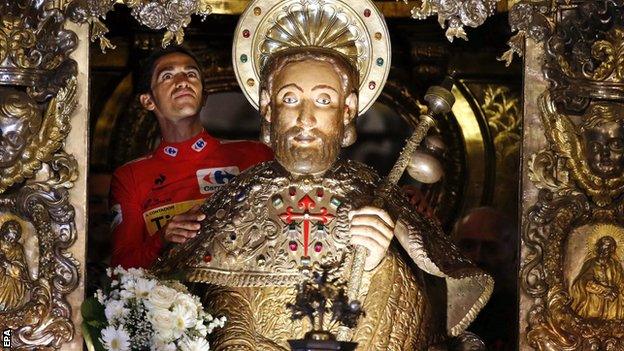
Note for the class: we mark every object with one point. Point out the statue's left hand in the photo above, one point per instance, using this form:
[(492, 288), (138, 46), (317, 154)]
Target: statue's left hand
[(372, 228)]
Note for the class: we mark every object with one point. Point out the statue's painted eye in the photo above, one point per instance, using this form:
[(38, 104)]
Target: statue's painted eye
[(167, 76), (289, 99), (323, 101)]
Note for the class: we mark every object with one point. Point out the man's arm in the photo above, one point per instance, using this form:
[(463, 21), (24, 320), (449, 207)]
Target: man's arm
[(132, 246)]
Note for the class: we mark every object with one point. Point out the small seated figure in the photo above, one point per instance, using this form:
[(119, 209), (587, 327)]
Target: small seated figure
[(14, 278), (596, 290), (307, 209)]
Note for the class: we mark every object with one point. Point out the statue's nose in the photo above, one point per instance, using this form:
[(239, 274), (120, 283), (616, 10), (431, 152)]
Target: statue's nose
[(306, 115)]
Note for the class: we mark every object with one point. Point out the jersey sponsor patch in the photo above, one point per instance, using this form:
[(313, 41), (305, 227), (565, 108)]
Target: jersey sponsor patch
[(199, 145), (210, 179), (156, 218), (171, 151), (116, 216)]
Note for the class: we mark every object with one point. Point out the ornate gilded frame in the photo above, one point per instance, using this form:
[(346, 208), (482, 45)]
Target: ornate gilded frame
[(576, 204)]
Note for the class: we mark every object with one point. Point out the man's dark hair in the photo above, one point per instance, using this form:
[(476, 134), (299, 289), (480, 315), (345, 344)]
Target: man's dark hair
[(146, 70)]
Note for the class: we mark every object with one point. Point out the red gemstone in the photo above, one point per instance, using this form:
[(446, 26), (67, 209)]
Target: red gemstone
[(292, 191), (372, 85), (318, 247), (367, 13), (207, 258), (319, 192), (246, 33), (293, 246)]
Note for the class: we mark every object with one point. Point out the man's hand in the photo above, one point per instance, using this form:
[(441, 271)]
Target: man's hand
[(372, 228), (183, 226)]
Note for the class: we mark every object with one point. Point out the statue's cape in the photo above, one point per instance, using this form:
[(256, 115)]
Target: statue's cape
[(243, 242)]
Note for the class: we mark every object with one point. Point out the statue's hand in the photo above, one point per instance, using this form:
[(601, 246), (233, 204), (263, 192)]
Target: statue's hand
[(183, 226), (372, 228)]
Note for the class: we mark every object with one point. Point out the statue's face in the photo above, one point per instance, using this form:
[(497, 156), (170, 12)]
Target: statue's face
[(604, 149), (605, 247), (12, 141), (307, 115), (10, 232), (18, 116)]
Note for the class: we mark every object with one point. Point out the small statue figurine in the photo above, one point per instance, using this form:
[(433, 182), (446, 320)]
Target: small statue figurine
[(319, 64), (14, 278), (316, 298), (596, 290)]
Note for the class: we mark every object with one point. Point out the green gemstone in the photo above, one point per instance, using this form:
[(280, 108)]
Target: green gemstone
[(243, 58), (277, 202), (335, 202), (380, 61)]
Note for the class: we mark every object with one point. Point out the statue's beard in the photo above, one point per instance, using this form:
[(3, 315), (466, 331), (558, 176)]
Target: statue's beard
[(306, 151)]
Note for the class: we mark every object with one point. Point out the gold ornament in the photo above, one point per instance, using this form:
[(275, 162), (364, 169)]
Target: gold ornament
[(573, 145), (34, 138), (347, 27)]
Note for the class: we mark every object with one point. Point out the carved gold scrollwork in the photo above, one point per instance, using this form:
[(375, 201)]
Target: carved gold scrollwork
[(573, 236), (30, 137), (602, 177), (34, 47), (42, 318)]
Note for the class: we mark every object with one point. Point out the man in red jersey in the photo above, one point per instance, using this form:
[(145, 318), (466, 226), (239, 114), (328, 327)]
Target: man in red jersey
[(155, 199)]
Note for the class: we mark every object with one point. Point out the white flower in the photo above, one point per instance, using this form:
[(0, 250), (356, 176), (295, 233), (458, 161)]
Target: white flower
[(115, 310), (197, 344), (187, 303), (161, 297), (126, 294), (162, 321), (216, 323), (182, 319), (115, 339), (109, 272), (143, 287), (200, 327), (160, 345), (137, 272), (100, 296)]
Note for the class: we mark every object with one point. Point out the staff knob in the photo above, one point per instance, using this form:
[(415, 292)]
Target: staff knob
[(439, 97)]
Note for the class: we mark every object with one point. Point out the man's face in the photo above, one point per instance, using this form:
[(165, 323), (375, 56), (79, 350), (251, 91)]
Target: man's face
[(176, 88), (307, 114), (605, 149)]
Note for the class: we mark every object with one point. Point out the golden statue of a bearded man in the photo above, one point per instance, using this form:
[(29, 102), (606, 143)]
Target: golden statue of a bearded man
[(307, 209)]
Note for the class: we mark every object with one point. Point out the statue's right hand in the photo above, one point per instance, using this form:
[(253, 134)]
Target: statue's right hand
[(183, 226)]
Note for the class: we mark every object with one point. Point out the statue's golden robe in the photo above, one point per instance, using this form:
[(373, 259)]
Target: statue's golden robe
[(249, 255), (590, 289)]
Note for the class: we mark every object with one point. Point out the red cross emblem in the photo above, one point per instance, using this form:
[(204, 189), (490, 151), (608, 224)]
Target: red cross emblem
[(306, 204)]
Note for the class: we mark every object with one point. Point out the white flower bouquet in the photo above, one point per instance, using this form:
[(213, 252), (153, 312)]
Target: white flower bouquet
[(140, 312)]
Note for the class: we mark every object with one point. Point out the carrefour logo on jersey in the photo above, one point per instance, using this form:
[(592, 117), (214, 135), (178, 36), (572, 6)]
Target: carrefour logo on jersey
[(199, 145), (171, 151), (210, 179)]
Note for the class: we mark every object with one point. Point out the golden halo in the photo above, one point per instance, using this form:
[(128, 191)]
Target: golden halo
[(5, 217), (355, 28), (600, 230)]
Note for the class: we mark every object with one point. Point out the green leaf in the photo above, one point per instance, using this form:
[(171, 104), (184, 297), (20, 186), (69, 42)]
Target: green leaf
[(92, 310), (92, 338)]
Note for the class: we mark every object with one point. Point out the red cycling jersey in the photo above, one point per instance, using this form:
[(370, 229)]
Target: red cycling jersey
[(147, 192)]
